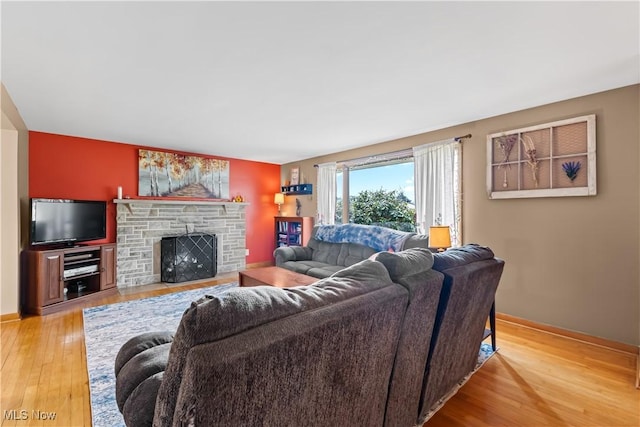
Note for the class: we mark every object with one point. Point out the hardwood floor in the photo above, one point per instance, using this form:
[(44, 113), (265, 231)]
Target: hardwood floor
[(541, 379), (535, 379)]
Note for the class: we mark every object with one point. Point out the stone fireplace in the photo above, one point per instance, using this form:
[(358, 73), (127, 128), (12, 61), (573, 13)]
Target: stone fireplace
[(141, 225)]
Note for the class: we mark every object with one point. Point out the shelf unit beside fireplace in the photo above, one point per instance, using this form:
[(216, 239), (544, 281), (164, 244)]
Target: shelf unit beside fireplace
[(293, 230)]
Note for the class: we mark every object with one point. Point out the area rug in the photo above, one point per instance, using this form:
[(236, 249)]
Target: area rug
[(486, 351), (108, 327)]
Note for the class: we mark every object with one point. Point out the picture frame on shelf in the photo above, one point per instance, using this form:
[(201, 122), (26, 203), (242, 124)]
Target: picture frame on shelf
[(295, 176)]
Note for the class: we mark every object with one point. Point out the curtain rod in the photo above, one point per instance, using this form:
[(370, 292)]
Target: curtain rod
[(457, 138)]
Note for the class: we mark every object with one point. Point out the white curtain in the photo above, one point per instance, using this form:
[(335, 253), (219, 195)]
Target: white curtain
[(437, 173), (326, 193)]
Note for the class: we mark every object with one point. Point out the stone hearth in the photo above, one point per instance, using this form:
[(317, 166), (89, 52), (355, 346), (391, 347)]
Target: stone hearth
[(141, 224)]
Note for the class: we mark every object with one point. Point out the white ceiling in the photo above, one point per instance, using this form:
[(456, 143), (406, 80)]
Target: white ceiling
[(281, 82)]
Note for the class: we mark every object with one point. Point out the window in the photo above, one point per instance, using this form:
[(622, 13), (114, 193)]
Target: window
[(379, 191), (435, 199)]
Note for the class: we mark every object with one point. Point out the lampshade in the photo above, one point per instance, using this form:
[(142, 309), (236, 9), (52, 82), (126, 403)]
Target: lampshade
[(278, 199), (439, 237)]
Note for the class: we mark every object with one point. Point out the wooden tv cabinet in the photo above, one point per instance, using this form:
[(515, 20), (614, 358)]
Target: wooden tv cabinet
[(56, 279)]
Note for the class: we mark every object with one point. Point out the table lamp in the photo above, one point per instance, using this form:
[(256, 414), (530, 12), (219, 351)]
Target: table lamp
[(278, 199), (439, 237)]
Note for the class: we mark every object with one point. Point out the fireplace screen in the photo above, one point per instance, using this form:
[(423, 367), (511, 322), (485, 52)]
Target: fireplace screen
[(188, 257)]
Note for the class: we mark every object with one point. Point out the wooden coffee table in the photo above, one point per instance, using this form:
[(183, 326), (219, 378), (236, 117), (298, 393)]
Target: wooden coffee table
[(274, 276)]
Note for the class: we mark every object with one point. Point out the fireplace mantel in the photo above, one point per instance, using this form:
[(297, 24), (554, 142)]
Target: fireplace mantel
[(224, 204), (178, 202)]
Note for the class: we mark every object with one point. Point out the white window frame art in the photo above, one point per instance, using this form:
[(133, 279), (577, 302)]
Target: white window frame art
[(554, 180)]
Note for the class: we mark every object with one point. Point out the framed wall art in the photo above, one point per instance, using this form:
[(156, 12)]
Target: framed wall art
[(549, 160), (295, 176), (163, 174)]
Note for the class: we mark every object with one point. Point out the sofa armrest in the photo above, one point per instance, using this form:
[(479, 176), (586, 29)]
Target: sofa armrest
[(139, 369), (138, 344), (292, 253)]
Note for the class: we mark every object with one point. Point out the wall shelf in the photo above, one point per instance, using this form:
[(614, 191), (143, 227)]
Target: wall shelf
[(291, 190)]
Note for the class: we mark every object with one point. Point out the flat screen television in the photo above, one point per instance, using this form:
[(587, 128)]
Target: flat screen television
[(65, 222)]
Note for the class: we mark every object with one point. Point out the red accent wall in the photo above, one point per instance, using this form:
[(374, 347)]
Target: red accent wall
[(68, 167)]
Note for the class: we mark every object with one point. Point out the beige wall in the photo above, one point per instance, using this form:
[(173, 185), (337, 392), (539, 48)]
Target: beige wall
[(14, 184), (571, 262)]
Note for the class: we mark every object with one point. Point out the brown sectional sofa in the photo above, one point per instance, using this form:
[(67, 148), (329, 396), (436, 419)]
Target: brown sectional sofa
[(367, 346)]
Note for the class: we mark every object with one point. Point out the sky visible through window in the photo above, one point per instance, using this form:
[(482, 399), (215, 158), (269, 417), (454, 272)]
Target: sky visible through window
[(390, 177)]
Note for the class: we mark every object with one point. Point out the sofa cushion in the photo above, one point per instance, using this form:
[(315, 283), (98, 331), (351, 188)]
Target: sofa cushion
[(466, 254), (324, 270), (341, 254), (405, 263), (312, 268), (298, 266), (352, 253), (212, 319)]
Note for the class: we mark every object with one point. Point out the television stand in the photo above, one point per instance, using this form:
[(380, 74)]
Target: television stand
[(57, 279)]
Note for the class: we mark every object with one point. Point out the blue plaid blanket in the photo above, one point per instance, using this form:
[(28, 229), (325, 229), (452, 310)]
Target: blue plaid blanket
[(376, 237)]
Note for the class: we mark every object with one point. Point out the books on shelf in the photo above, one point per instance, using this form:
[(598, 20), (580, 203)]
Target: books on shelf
[(292, 231)]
